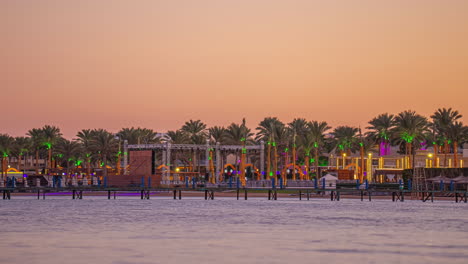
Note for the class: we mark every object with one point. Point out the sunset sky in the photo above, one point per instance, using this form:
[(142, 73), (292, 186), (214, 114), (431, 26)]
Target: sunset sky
[(155, 64)]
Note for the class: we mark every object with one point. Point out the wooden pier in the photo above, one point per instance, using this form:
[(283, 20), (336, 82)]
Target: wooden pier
[(397, 195)]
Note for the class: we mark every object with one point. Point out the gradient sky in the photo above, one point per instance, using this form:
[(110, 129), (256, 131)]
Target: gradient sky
[(112, 64)]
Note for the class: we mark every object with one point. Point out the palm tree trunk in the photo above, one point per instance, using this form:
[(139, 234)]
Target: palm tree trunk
[(275, 164), (49, 160), (361, 173), (19, 162), (380, 147), (268, 161), (88, 169), (3, 169), (316, 163), (194, 158), (455, 154), (198, 160), (294, 162), (68, 167), (446, 150), (37, 161), (104, 157), (411, 155), (307, 163)]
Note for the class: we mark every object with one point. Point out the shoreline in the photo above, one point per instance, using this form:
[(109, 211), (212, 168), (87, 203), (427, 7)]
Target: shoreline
[(230, 194)]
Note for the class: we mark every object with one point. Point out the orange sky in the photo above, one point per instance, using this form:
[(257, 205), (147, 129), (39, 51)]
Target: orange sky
[(112, 64)]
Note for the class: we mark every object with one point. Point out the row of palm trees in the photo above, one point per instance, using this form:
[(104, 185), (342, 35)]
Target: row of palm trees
[(297, 142)]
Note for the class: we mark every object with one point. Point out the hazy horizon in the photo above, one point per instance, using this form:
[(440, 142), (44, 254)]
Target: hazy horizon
[(156, 64)]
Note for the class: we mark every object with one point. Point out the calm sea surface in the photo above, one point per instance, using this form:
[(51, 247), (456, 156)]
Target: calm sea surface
[(161, 230)]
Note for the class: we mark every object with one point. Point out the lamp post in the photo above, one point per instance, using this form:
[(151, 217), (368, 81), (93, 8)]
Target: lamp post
[(344, 160), (430, 160), (369, 166), (118, 156)]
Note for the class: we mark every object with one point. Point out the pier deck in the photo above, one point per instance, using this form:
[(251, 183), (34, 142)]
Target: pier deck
[(272, 193)]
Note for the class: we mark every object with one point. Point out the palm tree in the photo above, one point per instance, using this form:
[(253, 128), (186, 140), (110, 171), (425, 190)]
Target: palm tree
[(37, 139), (139, 135), (380, 131), (22, 145), (235, 134), (297, 128), (315, 139), (50, 135), (196, 131), (128, 134), (194, 128), (345, 138), (457, 133), (217, 134), (84, 137), (367, 145), (105, 144), (281, 137), (177, 137), (432, 137), (6, 146), (69, 151), (268, 130), (238, 134), (442, 119), (409, 130), (148, 136)]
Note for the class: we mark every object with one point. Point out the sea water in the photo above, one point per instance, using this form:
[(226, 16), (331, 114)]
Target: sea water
[(226, 230)]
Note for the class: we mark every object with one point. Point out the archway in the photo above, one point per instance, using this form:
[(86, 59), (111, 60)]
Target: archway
[(12, 170), (228, 171), (288, 171), (162, 166), (251, 172), (357, 169)]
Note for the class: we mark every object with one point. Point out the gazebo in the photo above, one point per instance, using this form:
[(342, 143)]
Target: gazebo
[(330, 181)]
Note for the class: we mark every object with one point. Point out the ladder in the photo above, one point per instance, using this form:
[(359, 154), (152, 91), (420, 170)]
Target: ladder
[(419, 182)]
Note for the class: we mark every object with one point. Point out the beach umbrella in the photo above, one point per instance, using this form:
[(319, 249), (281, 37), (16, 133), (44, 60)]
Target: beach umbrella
[(439, 178), (459, 178), (329, 177), (462, 180)]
